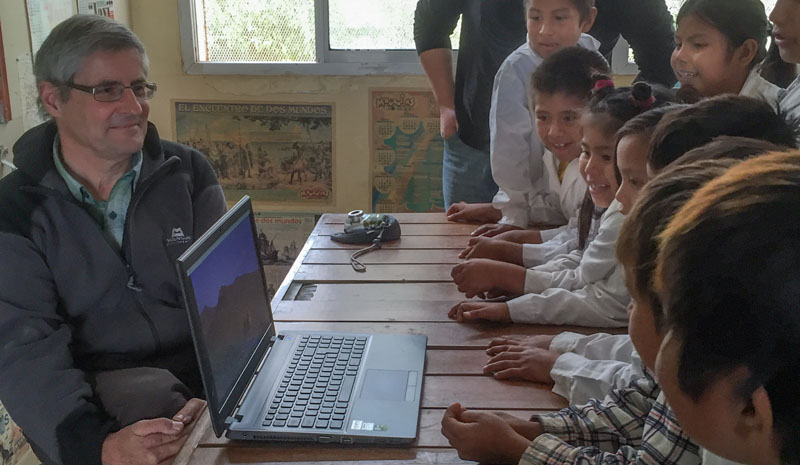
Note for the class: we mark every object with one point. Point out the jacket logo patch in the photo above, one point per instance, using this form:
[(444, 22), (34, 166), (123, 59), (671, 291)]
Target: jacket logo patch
[(178, 237)]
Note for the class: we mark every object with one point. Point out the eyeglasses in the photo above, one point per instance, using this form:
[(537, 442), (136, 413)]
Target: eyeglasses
[(114, 92)]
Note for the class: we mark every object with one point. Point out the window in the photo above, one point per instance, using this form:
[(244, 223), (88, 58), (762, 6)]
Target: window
[(302, 36)]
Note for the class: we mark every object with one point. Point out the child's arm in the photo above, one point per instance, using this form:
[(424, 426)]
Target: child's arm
[(478, 276), (597, 261), (619, 431), (479, 212), (600, 304), (516, 151), (486, 437)]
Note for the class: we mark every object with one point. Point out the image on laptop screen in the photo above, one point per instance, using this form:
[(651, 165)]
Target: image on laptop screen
[(232, 304)]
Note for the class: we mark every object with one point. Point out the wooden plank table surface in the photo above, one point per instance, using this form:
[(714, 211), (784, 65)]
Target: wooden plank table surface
[(406, 289)]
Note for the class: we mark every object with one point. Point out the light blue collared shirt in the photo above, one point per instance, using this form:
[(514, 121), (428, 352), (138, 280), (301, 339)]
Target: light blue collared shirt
[(110, 214)]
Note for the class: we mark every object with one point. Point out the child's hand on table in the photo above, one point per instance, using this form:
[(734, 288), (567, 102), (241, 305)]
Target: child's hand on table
[(482, 436), (492, 311), (491, 230), (468, 212), (494, 249), (475, 277), (522, 362), (501, 344)]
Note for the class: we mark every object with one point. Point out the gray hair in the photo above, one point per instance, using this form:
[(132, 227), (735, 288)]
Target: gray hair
[(62, 54)]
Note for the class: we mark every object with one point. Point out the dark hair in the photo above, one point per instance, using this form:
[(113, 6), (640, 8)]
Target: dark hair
[(737, 20), (617, 105), (584, 7), (659, 200), (723, 115), (728, 278), (645, 123), (571, 71), (775, 70), (739, 148)]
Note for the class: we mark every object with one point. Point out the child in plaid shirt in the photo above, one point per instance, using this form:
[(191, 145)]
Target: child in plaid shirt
[(730, 362), (632, 425)]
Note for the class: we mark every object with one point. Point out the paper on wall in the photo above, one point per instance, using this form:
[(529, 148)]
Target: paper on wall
[(28, 93)]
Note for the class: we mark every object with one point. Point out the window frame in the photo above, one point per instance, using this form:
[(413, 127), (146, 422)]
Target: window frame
[(329, 62)]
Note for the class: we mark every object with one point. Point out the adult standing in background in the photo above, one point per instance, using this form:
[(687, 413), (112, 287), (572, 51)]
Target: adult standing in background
[(490, 31)]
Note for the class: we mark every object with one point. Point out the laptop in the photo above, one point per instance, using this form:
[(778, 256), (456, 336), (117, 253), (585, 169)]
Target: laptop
[(323, 387)]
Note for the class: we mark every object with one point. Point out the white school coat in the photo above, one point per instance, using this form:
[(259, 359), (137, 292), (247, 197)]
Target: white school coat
[(557, 241), (515, 148), (584, 287), (590, 367), (757, 87), (789, 101)]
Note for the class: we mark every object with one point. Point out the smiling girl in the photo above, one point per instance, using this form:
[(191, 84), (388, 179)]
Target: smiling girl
[(718, 45)]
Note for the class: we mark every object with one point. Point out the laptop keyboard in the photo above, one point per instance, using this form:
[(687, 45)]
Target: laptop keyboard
[(317, 387)]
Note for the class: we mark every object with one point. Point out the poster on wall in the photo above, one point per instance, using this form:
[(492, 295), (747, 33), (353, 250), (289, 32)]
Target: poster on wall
[(28, 93), (96, 7), (44, 15), (5, 104), (281, 236), (406, 151), (274, 152)]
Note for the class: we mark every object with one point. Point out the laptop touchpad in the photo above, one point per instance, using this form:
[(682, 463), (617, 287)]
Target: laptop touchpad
[(385, 385)]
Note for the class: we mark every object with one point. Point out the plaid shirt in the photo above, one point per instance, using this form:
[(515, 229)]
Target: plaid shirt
[(630, 426)]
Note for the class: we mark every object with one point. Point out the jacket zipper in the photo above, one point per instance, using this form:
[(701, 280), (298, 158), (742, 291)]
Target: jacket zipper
[(133, 283)]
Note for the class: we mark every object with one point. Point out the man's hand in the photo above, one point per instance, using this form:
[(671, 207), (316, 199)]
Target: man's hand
[(492, 311), (533, 364), (491, 230), (502, 344), (152, 442), (478, 276), (493, 249), (482, 436), (523, 236), (448, 124), (473, 212)]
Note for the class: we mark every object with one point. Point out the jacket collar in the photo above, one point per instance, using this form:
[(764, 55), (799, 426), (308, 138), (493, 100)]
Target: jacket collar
[(33, 152)]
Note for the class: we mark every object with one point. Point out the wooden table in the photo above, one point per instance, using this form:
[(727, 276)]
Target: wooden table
[(406, 288)]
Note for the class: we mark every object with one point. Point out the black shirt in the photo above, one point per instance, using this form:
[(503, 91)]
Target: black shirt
[(492, 29)]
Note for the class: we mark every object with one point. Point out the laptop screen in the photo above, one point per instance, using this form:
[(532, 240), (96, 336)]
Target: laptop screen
[(229, 295)]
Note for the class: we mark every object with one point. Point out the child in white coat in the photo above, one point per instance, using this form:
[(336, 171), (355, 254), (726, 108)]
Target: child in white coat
[(586, 286), (718, 46), (516, 149)]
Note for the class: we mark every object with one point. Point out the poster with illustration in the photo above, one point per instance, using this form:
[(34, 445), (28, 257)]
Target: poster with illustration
[(406, 152), (280, 239), (273, 152)]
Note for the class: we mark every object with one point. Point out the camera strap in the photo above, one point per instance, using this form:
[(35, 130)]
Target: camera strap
[(376, 244)]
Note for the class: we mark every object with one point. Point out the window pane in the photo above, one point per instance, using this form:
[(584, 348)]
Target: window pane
[(374, 25), (257, 31)]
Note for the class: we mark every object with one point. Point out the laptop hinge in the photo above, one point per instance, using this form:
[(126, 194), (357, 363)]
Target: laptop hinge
[(235, 417)]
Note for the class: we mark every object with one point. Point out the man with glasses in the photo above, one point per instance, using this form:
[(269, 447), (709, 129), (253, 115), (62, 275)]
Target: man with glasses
[(95, 350)]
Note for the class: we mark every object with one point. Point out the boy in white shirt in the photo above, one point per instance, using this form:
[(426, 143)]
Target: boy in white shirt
[(534, 187)]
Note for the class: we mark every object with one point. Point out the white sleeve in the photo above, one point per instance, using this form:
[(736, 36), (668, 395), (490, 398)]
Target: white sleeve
[(597, 262), (601, 304), (579, 379), (515, 149), (563, 242), (599, 346)]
